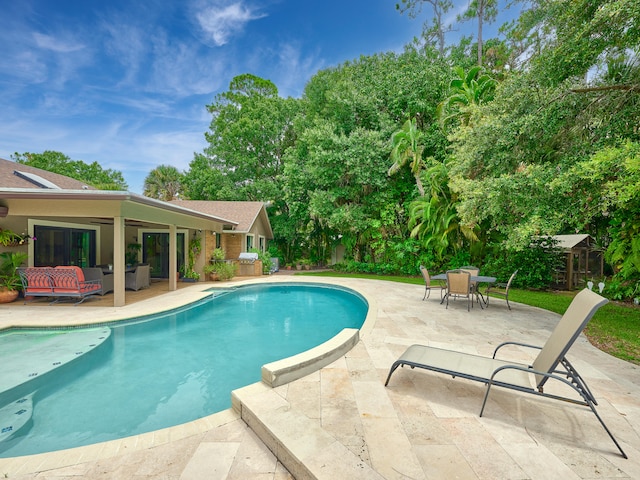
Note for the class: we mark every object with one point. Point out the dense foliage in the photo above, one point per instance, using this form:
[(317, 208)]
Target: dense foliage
[(442, 155), (90, 173), (427, 157)]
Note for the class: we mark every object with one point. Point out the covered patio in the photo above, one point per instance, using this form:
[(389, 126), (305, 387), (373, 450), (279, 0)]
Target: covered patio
[(99, 226)]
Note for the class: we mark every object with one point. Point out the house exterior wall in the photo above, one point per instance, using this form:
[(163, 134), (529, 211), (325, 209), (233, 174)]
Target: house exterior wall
[(232, 244)]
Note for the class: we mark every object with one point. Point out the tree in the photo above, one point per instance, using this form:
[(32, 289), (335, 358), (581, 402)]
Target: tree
[(206, 180), (433, 218), (434, 32), (468, 90), (250, 130), (483, 11), (92, 174), (407, 150), (568, 38), (163, 182)]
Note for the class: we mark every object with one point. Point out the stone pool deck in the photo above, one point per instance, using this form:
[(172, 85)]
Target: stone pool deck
[(342, 423)]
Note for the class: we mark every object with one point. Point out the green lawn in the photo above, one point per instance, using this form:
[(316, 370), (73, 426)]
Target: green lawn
[(615, 328)]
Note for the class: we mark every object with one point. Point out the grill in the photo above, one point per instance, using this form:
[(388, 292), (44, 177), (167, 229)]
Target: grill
[(247, 258)]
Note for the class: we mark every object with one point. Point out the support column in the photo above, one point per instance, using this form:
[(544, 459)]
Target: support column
[(173, 257), (118, 262)]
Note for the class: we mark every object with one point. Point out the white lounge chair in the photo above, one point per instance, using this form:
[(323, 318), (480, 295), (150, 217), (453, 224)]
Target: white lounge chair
[(550, 364)]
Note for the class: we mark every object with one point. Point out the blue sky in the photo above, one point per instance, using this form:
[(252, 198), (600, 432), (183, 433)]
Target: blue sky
[(125, 83)]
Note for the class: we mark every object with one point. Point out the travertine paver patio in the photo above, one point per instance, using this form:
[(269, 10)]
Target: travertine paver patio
[(341, 422)]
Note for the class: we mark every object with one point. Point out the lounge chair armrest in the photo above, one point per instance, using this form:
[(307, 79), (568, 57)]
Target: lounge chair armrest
[(519, 344), (554, 375)]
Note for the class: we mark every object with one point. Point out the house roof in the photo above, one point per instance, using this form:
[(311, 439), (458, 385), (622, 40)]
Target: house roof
[(16, 175), (101, 203), (244, 213)]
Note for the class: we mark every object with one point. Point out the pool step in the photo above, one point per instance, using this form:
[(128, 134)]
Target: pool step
[(26, 355), (15, 416)]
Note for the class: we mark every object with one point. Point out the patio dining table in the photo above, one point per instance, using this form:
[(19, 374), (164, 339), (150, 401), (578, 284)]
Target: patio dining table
[(109, 271), (474, 278)]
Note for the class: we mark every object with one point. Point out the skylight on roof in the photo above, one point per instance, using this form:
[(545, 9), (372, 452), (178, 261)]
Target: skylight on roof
[(36, 180)]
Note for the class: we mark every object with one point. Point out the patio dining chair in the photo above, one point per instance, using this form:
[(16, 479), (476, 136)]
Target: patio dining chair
[(501, 289), (459, 285), (474, 272), (428, 285)]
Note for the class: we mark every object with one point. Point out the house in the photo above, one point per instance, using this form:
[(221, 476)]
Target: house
[(252, 229), (70, 223)]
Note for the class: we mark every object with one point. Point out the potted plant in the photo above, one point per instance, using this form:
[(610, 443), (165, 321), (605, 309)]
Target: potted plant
[(189, 275), (9, 238), (217, 257), (131, 256), (9, 279), (211, 271), (220, 270)]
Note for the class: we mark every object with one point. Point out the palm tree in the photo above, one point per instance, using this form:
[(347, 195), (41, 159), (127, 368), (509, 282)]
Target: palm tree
[(407, 149), (163, 182), (472, 88)]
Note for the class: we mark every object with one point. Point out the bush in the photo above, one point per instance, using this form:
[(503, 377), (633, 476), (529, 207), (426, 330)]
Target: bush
[(225, 270), (536, 265)]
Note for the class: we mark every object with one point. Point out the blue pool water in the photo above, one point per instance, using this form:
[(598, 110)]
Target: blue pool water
[(176, 367)]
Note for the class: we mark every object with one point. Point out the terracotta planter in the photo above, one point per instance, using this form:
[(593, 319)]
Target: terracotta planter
[(8, 296)]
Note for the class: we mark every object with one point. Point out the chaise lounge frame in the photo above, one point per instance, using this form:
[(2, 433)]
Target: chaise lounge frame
[(550, 363)]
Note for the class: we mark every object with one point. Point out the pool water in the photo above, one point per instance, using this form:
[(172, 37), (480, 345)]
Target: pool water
[(176, 367)]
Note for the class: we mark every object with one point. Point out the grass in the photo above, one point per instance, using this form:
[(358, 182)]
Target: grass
[(615, 327)]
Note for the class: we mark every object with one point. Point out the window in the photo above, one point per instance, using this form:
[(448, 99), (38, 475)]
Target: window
[(261, 243), (249, 242), (63, 246)]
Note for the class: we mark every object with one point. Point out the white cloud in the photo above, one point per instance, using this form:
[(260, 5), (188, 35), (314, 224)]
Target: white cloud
[(220, 22), (294, 71), (183, 69), (124, 42), (56, 44)]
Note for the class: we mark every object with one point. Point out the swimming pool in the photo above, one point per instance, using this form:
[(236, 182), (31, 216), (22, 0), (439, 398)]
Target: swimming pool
[(169, 369)]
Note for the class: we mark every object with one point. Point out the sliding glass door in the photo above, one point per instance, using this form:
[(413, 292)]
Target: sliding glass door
[(155, 252), (63, 246)]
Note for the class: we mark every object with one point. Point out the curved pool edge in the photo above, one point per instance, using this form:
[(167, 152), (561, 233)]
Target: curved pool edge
[(297, 366), (29, 464)]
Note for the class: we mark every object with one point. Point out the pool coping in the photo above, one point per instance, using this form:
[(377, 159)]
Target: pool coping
[(309, 361)]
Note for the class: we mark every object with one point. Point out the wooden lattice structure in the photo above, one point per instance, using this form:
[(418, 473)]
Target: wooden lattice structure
[(584, 261)]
